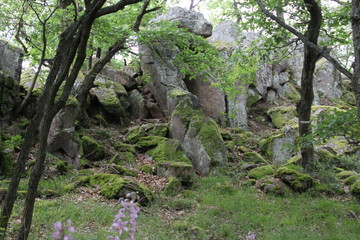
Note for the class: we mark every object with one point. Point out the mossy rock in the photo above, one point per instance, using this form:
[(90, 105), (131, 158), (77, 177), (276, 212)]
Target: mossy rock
[(118, 169), (181, 170), (123, 157), (325, 156), (274, 186), (226, 134), (351, 180), (149, 142), (346, 174), (147, 168), (7, 164), (134, 134), (173, 187), (93, 150), (261, 172), (299, 182), (159, 130), (355, 189), (168, 151), (113, 186), (294, 160), (225, 187), (281, 116), (100, 121), (102, 134), (123, 147), (244, 138), (253, 157), (292, 93)]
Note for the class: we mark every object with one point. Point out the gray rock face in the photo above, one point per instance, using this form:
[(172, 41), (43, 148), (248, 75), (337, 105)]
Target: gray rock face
[(63, 141), (10, 60), (10, 71), (137, 105), (280, 146), (199, 137), (118, 76), (194, 21)]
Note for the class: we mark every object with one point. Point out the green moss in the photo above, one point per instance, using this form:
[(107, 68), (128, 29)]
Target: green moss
[(92, 149), (147, 168), (230, 145), (168, 151), (175, 93), (273, 187), (184, 172), (123, 147), (62, 166), (253, 157), (69, 187), (294, 160), (346, 174), (281, 116), (159, 130), (351, 180), (100, 120), (293, 95), (225, 187), (300, 182), (124, 171), (115, 186), (173, 187), (149, 142), (123, 157), (226, 134), (261, 172), (102, 134), (7, 164), (325, 156), (72, 101), (355, 189), (181, 225), (134, 134)]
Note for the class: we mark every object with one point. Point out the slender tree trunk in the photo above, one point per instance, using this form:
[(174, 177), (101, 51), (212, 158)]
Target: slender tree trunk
[(307, 92), (355, 22)]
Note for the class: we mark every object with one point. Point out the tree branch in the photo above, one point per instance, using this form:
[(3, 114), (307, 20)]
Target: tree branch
[(116, 7), (303, 38)]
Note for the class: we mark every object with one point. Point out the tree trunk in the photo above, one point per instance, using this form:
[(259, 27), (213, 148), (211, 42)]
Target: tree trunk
[(307, 92), (355, 22)]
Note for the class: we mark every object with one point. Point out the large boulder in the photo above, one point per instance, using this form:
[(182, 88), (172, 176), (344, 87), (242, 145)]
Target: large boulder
[(199, 136), (63, 141), (194, 21), (118, 76), (10, 71)]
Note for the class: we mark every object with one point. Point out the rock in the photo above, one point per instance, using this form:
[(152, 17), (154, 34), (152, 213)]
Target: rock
[(281, 146), (9, 98), (273, 186), (253, 157), (346, 174), (123, 147), (123, 158), (261, 172), (299, 182), (93, 150), (183, 171), (118, 76), (134, 134), (113, 186), (173, 187), (199, 136), (118, 169), (168, 150), (147, 168), (148, 142), (63, 141), (137, 105), (355, 189), (11, 60), (194, 21), (282, 115)]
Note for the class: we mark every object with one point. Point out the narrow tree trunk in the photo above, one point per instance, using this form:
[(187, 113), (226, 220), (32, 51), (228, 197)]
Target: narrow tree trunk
[(307, 92), (355, 22)]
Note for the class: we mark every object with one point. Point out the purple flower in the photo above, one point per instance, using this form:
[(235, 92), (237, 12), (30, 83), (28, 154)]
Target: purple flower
[(250, 235), (60, 231)]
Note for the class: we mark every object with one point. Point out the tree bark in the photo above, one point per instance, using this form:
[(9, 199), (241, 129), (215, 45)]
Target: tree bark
[(355, 23)]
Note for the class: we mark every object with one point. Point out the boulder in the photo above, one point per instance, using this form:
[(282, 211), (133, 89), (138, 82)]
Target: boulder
[(118, 76), (138, 108), (299, 182), (168, 151), (184, 172), (11, 60), (194, 21), (63, 141), (199, 136), (93, 150), (261, 172)]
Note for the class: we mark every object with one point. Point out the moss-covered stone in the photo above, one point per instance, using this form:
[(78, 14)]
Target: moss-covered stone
[(300, 182), (100, 121), (253, 157), (346, 174), (147, 168), (281, 116), (325, 156), (149, 142), (92, 149), (261, 172), (351, 180), (226, 134), (123, 157), (181, 225), (244, 138), (168, 151), (292, 93), (118, 169), (173, 187), (274, 187), (123, 147), (225, 187), (355, 189), (134, 134), (115, 186), (181, 170), (159, 130)]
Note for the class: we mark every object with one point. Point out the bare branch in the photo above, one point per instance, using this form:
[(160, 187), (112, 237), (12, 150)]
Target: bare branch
[(116, 7)]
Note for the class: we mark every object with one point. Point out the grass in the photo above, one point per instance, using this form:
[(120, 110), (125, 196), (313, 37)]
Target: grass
[(215, 207)]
